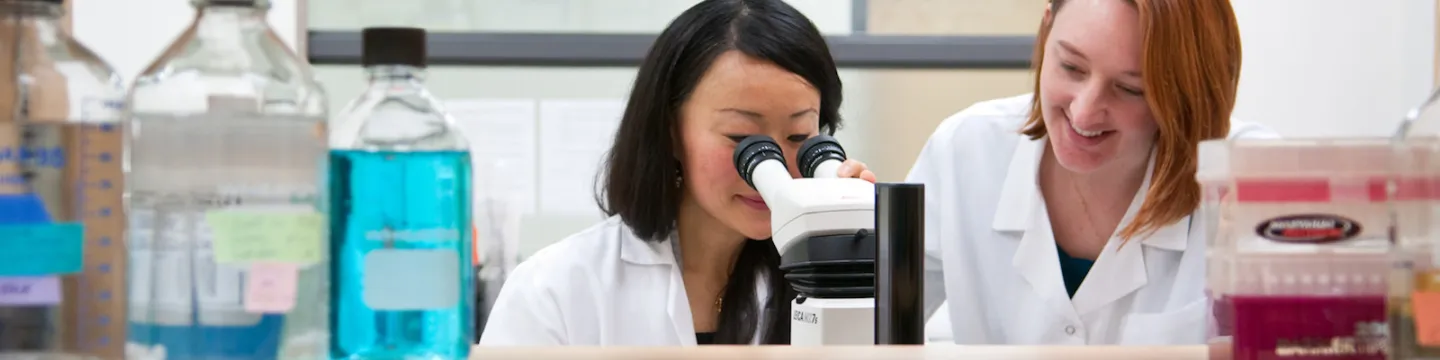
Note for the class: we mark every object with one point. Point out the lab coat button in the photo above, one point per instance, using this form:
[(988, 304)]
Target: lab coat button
[(1070, 330)]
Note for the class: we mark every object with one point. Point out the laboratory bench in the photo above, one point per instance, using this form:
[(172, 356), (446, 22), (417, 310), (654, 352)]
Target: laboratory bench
[(928, 352)]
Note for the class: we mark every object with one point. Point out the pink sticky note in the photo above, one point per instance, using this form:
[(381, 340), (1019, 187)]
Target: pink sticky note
[(29, 291), (270, 287)]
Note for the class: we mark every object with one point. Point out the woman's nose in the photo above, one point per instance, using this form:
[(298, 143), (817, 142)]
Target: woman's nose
[(1089, 105)]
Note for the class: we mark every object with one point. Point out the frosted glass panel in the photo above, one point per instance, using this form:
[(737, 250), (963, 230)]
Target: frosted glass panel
[(543, 16), (888, 114)]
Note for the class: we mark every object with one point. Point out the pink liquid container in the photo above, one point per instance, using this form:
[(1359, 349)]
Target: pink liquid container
[(1299, 246)]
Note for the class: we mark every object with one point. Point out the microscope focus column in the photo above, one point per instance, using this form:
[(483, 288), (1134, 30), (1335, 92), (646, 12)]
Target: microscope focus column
[(900, 264)]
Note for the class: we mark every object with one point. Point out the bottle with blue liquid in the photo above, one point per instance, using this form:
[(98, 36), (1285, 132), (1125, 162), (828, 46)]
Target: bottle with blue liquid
[(61, 255), (402, 278), (226, 163)]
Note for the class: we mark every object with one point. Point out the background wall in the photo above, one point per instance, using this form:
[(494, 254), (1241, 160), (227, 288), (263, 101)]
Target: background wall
[(1312, 67), (129, 34), (1334, 67)]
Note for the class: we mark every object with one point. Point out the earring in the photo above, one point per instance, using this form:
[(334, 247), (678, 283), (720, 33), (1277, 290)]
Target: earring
[(679, 177)]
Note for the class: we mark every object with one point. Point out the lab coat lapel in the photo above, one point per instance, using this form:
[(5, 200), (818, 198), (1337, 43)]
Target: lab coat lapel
[(679, 310), (1038, 262), (1120, 269), (1019, 193), (639, 252), (1020, 210)]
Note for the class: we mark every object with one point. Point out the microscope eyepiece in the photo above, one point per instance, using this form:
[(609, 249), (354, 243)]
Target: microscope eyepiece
[(816, 151), (754, 150)]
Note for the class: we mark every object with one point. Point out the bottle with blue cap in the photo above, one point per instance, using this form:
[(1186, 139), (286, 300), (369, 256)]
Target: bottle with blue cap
[(61, 257), (400, 199), (225, 193)]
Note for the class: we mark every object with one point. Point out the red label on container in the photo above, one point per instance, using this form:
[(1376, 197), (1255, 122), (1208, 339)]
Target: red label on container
[(1308, 228)]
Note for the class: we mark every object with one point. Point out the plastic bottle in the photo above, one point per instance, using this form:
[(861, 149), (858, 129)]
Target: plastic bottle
[(400, 192)]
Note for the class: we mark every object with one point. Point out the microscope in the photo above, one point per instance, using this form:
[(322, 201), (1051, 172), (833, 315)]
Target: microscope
[(852, 250)]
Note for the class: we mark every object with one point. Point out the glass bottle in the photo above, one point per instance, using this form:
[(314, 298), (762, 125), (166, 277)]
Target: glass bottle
[(226, 162), (61, 254), (400, 195), (1414, 296)]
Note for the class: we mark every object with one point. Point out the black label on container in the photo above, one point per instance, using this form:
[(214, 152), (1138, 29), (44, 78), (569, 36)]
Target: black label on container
[(1308, 228)]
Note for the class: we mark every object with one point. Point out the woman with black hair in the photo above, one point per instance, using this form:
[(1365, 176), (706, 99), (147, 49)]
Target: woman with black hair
[(685, 256)]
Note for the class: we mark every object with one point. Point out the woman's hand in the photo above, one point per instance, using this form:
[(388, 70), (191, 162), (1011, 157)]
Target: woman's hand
[(852, 168)]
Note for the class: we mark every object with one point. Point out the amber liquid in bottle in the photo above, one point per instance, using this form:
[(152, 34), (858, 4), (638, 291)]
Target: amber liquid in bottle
[(1407, 342)]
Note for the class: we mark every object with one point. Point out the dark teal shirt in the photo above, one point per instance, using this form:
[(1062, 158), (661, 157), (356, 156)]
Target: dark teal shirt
[(1073, 269)]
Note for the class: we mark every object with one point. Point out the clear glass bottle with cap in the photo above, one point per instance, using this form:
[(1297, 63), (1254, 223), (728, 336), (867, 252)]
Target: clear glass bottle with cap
[(61, 259), (400, 199), (1414, 296), (225, 193)]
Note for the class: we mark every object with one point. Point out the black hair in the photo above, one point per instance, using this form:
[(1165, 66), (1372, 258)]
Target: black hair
[(641, 171)]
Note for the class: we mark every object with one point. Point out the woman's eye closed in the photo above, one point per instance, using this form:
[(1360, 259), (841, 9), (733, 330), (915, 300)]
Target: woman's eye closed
[(798, 138), (1131, 91)]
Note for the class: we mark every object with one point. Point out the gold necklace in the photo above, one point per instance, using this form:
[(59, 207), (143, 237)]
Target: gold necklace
[(1086, 206)]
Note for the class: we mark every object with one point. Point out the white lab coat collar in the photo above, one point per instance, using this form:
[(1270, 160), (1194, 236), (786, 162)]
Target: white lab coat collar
[(1119, 271), (1019, 196), (637, 251)]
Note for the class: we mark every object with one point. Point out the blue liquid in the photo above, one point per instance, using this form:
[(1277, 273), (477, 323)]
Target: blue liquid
[(395, 210), (200, 342)]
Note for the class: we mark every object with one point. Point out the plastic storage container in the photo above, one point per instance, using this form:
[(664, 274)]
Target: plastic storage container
[(404, 271), (1415, 284), (225, 191), (61, 222), (1298, 251)]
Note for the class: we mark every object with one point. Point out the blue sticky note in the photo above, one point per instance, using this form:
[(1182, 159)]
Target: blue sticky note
[(41, 249)]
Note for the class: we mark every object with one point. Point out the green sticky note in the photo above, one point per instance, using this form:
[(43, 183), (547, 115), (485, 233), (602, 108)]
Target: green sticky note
[(249, 236)]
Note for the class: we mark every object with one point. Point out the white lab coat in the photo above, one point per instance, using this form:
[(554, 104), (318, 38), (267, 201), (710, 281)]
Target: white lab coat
[(991, 255), (600, 287)]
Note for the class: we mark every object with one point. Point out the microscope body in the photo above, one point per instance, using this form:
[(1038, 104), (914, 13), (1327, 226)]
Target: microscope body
[(819, 321), (823, 227), (809, 207), (848, 247)]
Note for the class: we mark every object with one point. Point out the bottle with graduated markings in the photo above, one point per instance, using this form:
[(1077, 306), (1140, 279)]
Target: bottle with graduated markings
[(403, 278), (61, 254), (227, 159)]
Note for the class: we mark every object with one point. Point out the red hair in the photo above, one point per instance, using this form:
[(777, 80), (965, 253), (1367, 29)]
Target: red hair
[(1191, 70)]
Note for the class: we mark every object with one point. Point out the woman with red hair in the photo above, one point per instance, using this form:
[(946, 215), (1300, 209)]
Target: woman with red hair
[(1067, 216)]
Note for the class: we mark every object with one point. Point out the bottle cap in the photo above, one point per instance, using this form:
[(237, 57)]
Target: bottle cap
[(393, 46)]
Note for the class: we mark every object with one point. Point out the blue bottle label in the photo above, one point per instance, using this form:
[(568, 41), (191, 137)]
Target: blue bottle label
[(406, 280), (41, 249)]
